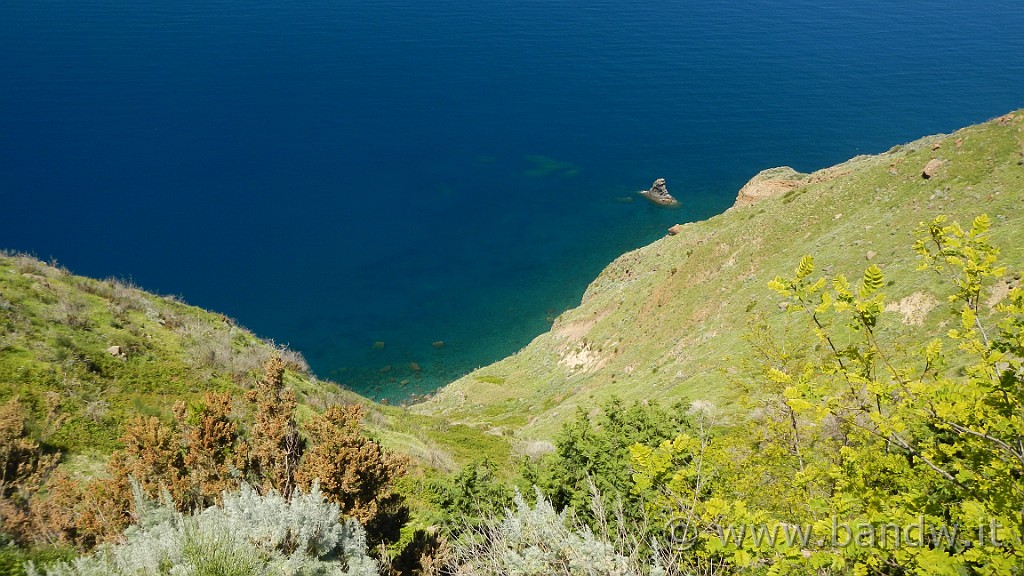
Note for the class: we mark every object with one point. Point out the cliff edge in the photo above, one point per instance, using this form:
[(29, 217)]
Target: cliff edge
[(668, 321)]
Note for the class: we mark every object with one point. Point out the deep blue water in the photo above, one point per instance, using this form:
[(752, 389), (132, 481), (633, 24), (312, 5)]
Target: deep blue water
[(333, 174)]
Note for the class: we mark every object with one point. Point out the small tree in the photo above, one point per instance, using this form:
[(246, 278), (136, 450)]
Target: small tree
[(932, 438)]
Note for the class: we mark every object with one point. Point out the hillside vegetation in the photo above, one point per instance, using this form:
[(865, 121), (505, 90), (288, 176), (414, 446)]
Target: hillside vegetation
[(669, 321), (840, 350), (86, 355)]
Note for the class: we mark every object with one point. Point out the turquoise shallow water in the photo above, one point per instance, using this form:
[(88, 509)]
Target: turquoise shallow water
[(337, 174)]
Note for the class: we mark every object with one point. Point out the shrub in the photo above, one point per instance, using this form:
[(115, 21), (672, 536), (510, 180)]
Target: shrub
[(249, 535), (469, 496), (23, 470), (195, 458), (536, 540), (13, 558), (275, 446), (596, 450)]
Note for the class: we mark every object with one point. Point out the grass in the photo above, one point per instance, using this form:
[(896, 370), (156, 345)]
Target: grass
[(56, 357), (667, 321)]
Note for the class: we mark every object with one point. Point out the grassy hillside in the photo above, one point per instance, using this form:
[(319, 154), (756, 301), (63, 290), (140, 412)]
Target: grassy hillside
[(667, 321), (85, 355), (663, 322)]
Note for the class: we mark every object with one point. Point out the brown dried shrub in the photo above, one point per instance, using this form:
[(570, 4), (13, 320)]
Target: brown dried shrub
[(24, 469), (355, 472), (212, 459), (275, 446), (194, 458)]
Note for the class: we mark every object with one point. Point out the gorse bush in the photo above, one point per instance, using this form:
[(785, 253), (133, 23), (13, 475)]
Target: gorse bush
[(205, 452), (275, 446), (248, 535), (24, 468)]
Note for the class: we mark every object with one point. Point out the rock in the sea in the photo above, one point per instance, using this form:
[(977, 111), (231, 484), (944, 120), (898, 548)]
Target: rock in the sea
[(931, 168), (769, 184), (439, 344), (658, 194)]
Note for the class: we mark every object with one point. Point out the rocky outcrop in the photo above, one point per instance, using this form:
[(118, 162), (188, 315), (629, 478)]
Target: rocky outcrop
[(931, 168), (769, 184), (658, 194)]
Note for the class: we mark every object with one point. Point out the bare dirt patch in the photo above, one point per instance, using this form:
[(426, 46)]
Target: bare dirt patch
[(575, 352), (914, 308)]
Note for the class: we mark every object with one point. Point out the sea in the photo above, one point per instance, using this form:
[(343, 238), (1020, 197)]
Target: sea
[(405, 190)]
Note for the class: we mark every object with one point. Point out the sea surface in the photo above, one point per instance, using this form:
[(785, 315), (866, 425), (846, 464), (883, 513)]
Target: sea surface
[(334, 174)]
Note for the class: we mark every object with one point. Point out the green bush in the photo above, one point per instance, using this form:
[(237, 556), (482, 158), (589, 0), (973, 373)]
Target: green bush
[(470, 495), (595, 451)]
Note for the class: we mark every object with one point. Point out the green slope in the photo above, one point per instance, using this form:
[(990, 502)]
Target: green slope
[(86, 355), (667, 321), (663, 322)]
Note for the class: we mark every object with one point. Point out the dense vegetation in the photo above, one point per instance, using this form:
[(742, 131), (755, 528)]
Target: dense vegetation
[(853, 431), (868, 456)]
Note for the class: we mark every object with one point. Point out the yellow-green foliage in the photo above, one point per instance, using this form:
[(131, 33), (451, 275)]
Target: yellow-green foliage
[(881, 448)]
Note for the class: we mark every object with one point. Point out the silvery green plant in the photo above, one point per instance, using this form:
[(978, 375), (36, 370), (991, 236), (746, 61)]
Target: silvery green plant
[(538, 541), (248, 535)]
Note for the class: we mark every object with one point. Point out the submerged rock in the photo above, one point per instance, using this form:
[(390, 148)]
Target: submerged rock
[(658, 194)]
